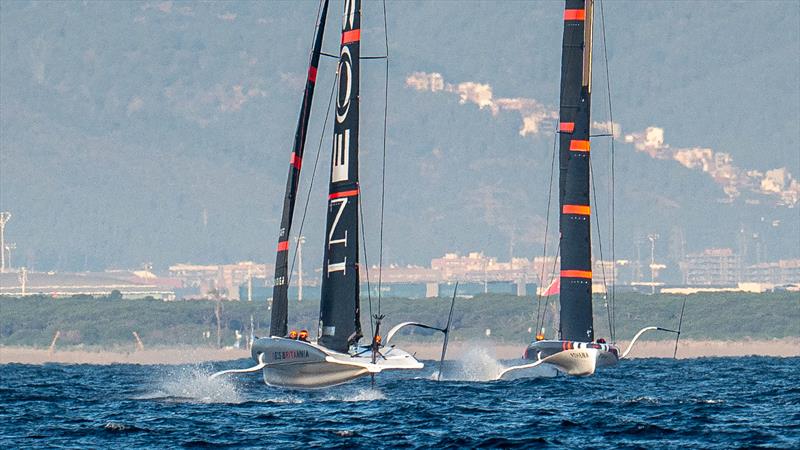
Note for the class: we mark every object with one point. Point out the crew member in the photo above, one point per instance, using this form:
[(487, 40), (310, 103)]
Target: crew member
[(303, 336), (293, 334)]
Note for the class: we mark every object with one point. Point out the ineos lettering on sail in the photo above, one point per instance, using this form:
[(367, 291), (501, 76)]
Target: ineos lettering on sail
[(341, 145), (336, 267), (335, 357), (340, 290)]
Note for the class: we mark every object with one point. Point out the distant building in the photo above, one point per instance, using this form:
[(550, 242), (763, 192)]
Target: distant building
[(126, 284), (712, 267), (480, 268), (224, 279), (783, 272), (723, 267), (396, 274)]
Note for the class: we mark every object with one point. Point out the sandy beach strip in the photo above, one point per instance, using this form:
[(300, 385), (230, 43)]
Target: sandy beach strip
[(643, 349), (457, 350)]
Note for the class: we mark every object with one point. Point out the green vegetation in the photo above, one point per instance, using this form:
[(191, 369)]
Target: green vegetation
[(104, 322)]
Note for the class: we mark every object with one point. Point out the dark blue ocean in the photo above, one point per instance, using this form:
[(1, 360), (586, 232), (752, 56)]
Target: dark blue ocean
[(750, 402)]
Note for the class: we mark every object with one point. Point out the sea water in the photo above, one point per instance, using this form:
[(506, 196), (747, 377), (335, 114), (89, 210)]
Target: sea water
[(646, 403)]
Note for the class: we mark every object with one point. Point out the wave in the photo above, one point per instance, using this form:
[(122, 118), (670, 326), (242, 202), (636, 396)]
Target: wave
[(192, 384), (360, 395), (479, 364)]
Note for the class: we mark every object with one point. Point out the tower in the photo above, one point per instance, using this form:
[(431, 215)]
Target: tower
[(653, 238), (5, 216)]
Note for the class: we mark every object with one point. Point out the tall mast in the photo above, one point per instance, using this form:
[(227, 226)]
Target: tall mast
[(280, 294), (340, 324), (574, 127)]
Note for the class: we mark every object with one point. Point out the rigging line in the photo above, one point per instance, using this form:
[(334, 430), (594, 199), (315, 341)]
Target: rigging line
[(600, 243), (546, 229), (383, 163), (316, 27), (552, 275), (329, 55), (366, 268), (613, 153), (313, 176)]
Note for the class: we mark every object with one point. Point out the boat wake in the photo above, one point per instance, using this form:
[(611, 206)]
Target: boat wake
[(192, 384), (479, 364), (358, 395)]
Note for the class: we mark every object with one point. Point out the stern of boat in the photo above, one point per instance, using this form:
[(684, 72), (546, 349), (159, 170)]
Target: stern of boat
[(573, 358)]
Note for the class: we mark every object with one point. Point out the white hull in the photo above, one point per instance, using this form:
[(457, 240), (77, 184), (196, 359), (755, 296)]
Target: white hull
[(579, 361), (573, 358), (307, 365)]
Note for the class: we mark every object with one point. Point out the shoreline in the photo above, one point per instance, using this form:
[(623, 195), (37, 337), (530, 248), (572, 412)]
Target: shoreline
[(786, 347)]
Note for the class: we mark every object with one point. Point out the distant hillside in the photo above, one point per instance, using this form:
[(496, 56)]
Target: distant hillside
[(159, 132)]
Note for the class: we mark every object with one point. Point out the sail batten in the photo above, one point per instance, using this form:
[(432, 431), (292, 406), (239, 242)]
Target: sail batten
[(340, 324), (280, 291), (574, 154)]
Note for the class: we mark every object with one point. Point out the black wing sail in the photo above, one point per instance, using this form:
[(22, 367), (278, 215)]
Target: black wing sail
[(340, 324), (280, 291), (574, 223)]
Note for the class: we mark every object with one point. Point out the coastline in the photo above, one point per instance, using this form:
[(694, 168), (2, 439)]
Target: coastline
[(787, 347), (687, 349)]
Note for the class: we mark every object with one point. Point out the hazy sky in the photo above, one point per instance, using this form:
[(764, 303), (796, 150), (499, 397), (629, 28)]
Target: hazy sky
[(136, 132)]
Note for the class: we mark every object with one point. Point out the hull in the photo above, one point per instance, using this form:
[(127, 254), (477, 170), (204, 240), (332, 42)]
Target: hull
[(308, 365), (573, 358), (539, 371)]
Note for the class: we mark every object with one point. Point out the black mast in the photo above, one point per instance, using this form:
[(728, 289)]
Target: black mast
[(280, 292), (574, 223), (340, 324)]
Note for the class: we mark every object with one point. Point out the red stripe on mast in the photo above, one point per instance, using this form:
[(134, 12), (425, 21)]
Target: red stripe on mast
[(351, 36), (576, 274), (579, 146), (582, 210), (296, 161), (350, 193), (574, 14)]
